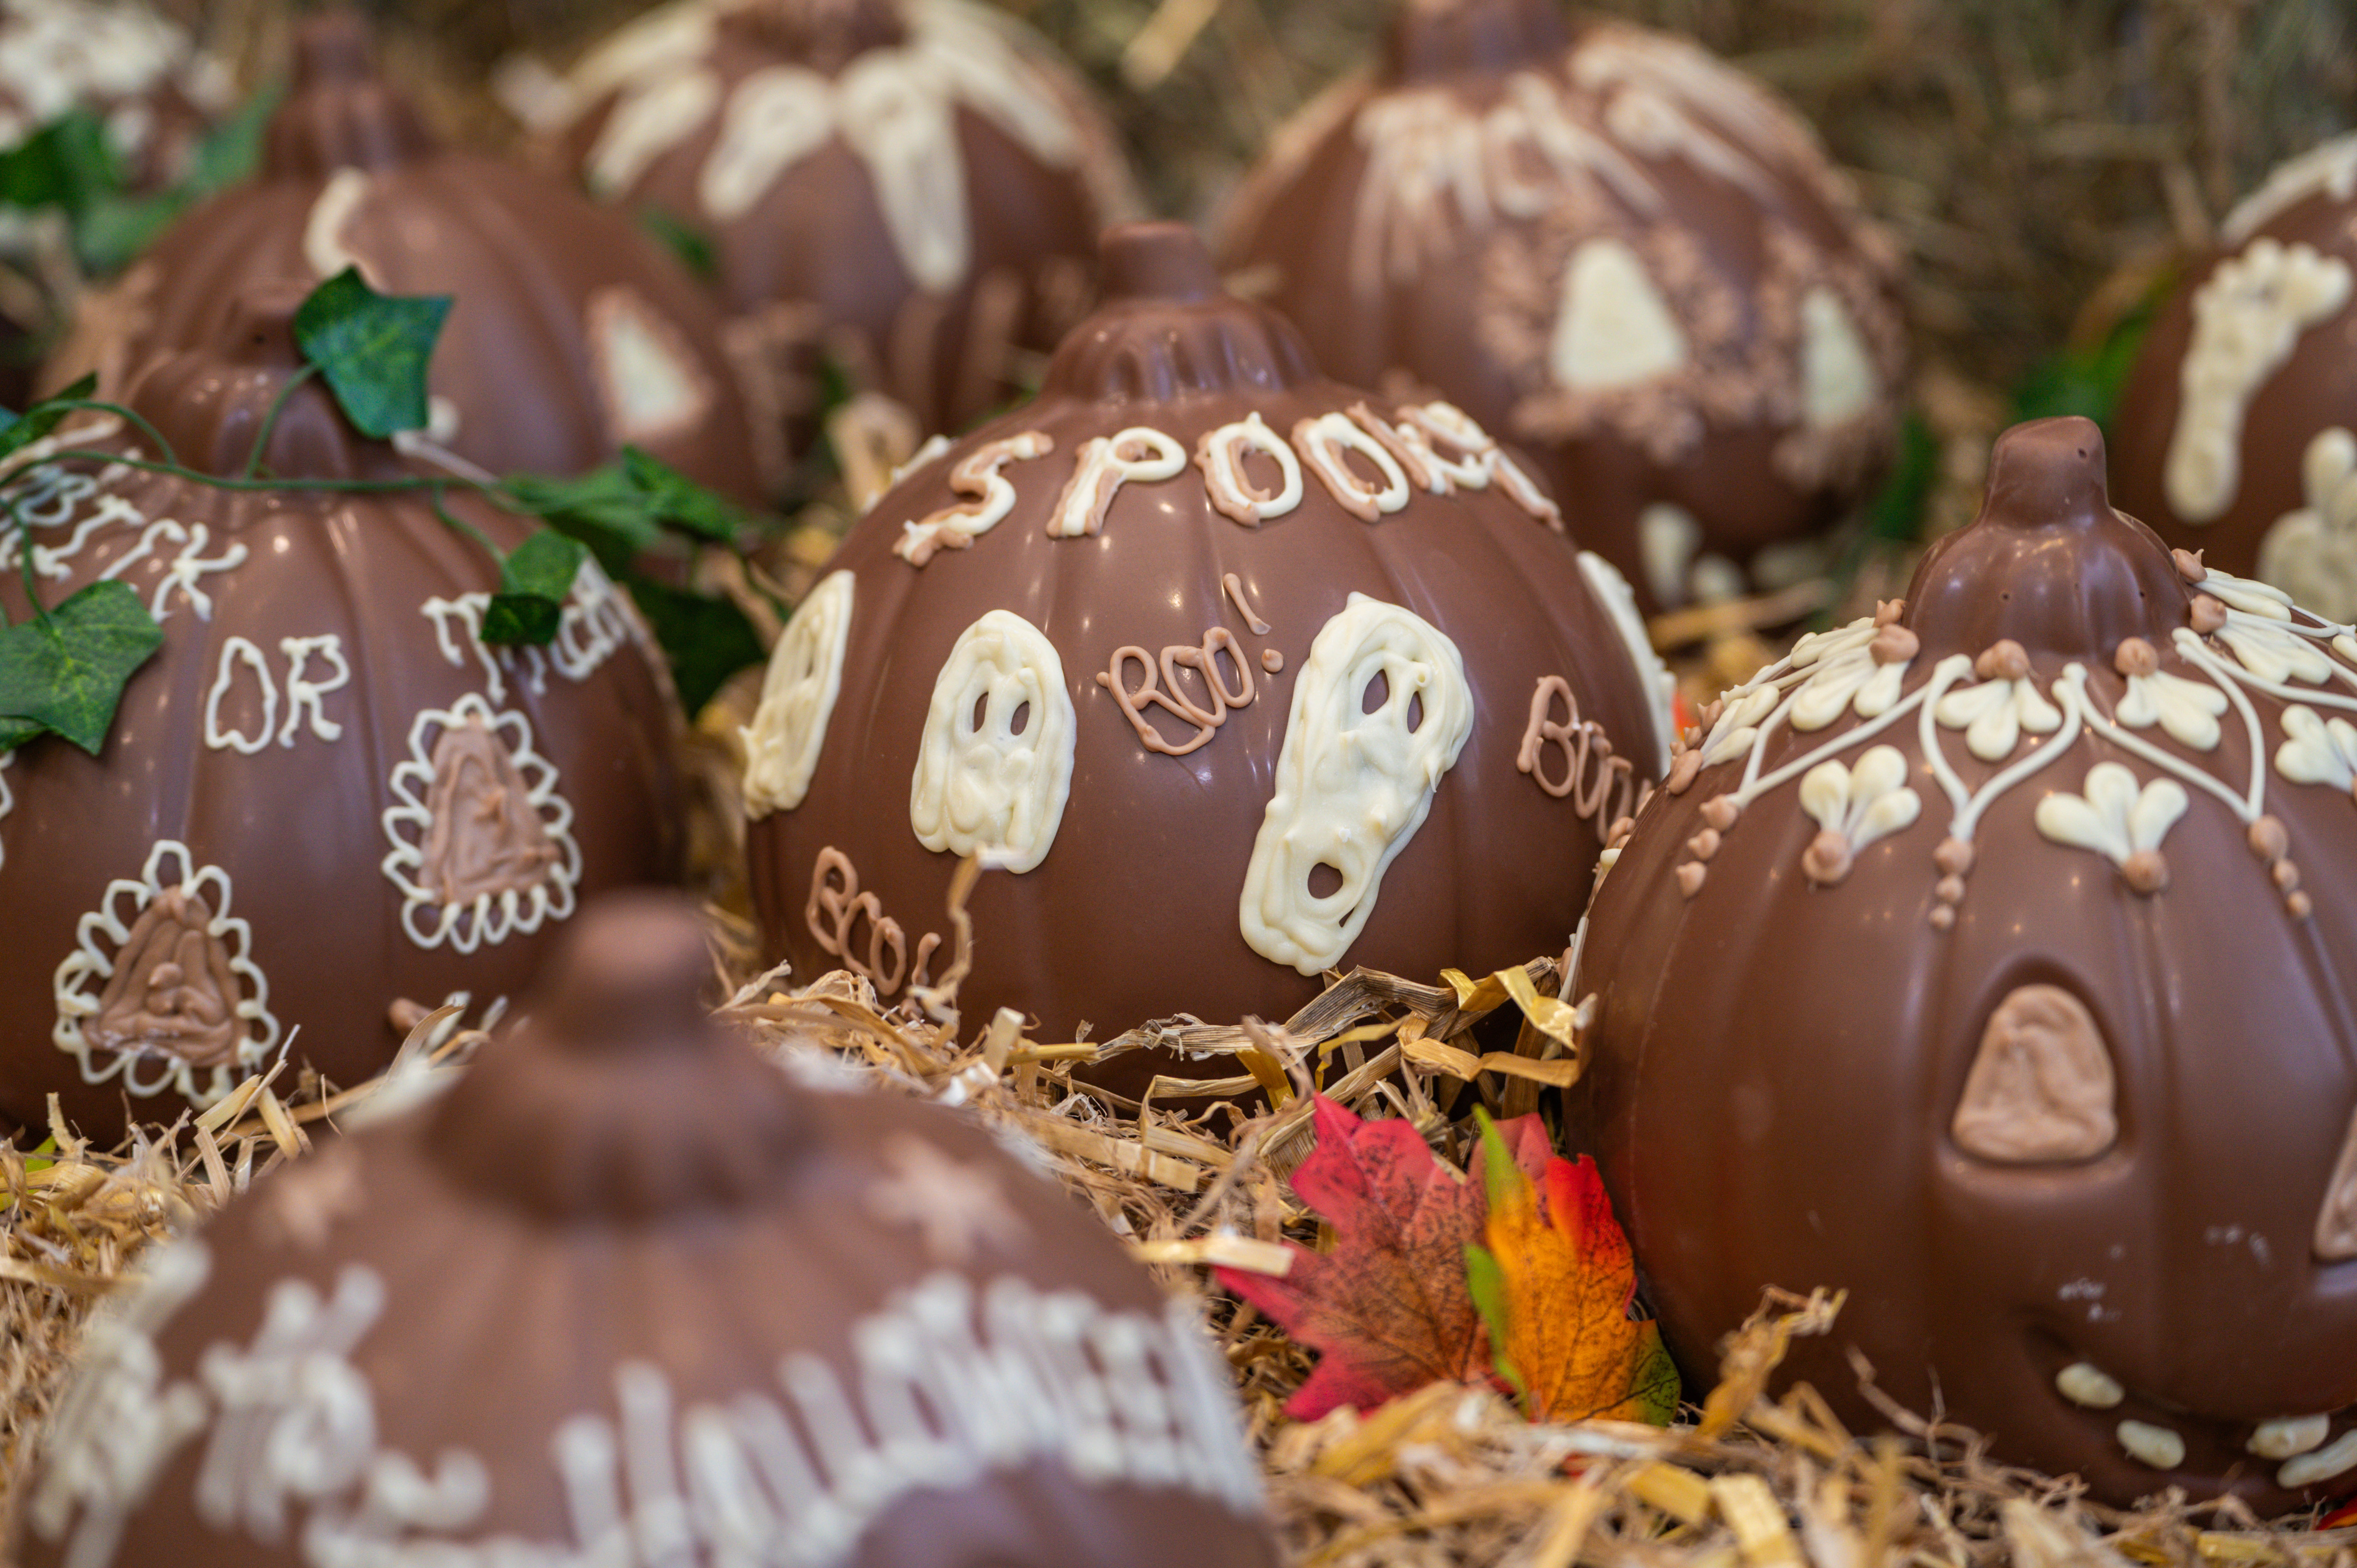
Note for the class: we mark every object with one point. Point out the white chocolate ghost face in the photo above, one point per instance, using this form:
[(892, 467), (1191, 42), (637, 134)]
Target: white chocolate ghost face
[(1353, 785), (997, 761), (805, 675)]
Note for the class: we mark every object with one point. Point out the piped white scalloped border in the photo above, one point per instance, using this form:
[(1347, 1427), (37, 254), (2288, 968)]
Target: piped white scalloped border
[(84, 974), (494, 920)]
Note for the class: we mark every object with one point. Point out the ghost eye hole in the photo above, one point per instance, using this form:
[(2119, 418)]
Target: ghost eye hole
[(1021, 721), (1377, 695)]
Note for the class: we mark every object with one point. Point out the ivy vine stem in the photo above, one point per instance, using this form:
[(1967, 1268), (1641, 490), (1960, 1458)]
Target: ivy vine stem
[(270, 419)]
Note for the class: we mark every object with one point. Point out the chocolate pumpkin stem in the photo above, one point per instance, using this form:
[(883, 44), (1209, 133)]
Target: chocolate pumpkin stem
[(2048, 564), (619, 1097), (341, 113), (1443, 37), (1168, 329)]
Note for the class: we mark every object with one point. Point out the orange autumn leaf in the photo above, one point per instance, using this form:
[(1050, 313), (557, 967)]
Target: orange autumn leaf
[(1556, 1283)]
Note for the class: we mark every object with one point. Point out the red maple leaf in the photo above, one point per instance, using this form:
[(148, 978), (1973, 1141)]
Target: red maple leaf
[(1387, 1309)]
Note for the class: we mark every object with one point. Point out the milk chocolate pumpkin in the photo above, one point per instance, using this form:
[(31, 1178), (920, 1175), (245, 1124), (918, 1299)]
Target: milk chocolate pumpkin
[(1984, 959), (573, 333), (1232, 676), (2237, 430), (627, 1294), (912, 188), (324, 793), (1603, 243)]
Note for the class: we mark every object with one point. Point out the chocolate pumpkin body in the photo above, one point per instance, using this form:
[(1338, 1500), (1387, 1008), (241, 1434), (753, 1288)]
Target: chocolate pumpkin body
[(1987, 963), (1607, 246), (2237, 431), (572, 334), (912, 188), (323, 794), (1378, 681), (901, 1349)]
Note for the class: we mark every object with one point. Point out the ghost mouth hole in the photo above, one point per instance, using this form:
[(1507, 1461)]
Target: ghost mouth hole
[(1021, 721), (1325, 881)]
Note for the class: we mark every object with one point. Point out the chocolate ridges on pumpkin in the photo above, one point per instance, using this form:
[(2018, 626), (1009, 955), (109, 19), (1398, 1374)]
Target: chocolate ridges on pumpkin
[(211, 402), (619, 1098), (2048, 563), (1167, 329), (1441, 37), (341, 113)]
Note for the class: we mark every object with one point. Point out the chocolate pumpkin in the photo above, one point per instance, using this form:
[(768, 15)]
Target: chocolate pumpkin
[(1601, 242), (572, 334), (324, 794), (1203, 652), (627, 1293), (913, 186), (2237, 430), (1985, 959)]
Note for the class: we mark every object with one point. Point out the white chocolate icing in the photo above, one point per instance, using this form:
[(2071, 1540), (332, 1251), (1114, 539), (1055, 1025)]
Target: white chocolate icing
[(1838, 382), (1614, 328), (2317, 750), (237, 653), (2336, 1221), (1844, 676), (1352, 787), (939, 1386), (2287, 1436), (81, 978), (798, 694), (2248, 316), (7, 801), (184, 573), (323, 231), (2187, 710), (1221, 455), (647, 380), (1994, 714), (305, 694), (980, 787), (408, 824), (1863, 804), (1103, 465), (1667, 538), (2324, 1465), (646, 124), (1619, 601), (2156, 1447), (2329, 169), (2113, 818), (2041, 1088), (977, 475), (1324, 440), (2312, 551)]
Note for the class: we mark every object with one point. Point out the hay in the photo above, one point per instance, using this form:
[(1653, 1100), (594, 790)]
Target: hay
[(1448, 1477)]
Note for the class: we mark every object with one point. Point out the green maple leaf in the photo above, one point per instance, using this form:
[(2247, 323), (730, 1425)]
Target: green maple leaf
[(373, 349), (64, 672), (533, 581)]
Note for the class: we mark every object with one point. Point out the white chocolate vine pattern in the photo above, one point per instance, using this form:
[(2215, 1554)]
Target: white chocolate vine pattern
[(2245, 638), (1432, 448), (944, 1384)]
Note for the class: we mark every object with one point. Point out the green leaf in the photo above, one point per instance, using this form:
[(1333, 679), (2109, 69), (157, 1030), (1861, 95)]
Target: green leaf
[(114, 230), (64, 672), (15, 733), (533, 581), (706, 640), (66, 163), (1485, 1281), (679, 502), (602, 508), (373, 348), (231, 151), (43, 417), (690, 244)]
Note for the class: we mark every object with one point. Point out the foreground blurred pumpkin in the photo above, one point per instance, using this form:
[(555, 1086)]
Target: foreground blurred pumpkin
[(1603, 242), (324, 794), (1234, 674), (627, 1295), (1986, 959), (2238, 427), (572, 334), (912, 188)]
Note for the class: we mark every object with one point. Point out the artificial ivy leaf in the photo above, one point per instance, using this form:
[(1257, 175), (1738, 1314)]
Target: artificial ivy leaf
[(43, 417), (1554, 1285), (603, 509), (1388, 1308), (65, 672), (706, 639), (680, 501), (67, 163), (690, 244), (533, 581), (373, 349), (15, 733)]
